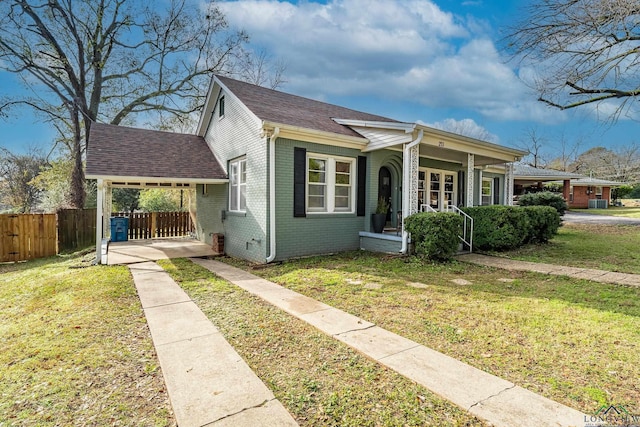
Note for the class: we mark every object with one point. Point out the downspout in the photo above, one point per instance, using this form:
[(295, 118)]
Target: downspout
[(272, 195), (406, 188)]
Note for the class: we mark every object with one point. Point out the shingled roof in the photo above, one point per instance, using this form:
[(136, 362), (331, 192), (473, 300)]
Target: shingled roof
[(130, 152), (283, 108), (522, 171)]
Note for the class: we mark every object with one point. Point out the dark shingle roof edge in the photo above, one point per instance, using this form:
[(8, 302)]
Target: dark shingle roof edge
[(120, 151)]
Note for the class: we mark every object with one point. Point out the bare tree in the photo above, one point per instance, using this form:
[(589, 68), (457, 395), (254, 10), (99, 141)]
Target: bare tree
[(113, 60), (621, 164), (586, 51), (536, 147), (566, 152), (17, 172)]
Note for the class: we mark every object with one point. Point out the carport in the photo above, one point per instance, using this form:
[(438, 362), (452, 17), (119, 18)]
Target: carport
[(124, 157)]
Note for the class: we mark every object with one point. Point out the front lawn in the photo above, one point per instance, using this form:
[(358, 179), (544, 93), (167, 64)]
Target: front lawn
[(603, 247), (75, 348), (573, 341), (320, 381)]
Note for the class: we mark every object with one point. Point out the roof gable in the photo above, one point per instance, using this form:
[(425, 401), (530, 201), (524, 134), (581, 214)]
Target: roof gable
[(279, 107)]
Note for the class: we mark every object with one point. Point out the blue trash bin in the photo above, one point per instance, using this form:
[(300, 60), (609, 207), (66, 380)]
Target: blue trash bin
[(119, 229)]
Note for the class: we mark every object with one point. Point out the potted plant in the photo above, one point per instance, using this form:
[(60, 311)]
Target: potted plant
[(379, 218)]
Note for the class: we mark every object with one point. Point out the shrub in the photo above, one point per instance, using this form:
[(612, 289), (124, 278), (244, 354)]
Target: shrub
[(498, 227), (435, 234), (545, 198), (544, 222)]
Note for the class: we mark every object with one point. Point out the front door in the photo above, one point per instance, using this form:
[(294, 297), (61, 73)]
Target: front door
[(384, 188)]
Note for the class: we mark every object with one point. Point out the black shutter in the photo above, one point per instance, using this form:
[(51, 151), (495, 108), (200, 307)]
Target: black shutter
[(496, 191), (461, 188), (299, 181), (362, 182)]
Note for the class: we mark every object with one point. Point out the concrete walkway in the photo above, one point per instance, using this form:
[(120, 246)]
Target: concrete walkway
[(486, 396), (207, 381), (601, 276)]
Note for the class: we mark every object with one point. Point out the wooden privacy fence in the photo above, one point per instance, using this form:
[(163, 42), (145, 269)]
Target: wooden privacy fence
[(27, 236), (76, 228), (147, 225)]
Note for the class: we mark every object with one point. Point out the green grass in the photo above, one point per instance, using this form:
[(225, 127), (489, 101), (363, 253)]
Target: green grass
[(75, 348), (623, 211), (319, 380), (603, 247), (573, 341)]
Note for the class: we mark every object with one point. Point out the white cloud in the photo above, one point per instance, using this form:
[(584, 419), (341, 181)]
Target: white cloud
[(410, 51), (467, 127)]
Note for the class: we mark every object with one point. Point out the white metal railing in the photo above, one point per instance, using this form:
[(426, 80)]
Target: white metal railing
[(427, 208), (467, 227)]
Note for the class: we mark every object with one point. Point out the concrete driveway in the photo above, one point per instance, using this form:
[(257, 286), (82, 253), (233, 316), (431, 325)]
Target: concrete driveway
[(585, 218), (134, 251)]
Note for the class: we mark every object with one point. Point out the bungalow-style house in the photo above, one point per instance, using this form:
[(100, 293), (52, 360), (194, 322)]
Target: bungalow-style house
[(286, 176), (578, 190)]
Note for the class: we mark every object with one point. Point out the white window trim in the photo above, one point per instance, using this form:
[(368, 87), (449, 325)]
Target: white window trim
[(222, 107), (442, 173), (482, 195), (330, 184), (237, 187)]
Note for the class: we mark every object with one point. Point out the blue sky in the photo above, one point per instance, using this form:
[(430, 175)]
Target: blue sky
[(430, 61)]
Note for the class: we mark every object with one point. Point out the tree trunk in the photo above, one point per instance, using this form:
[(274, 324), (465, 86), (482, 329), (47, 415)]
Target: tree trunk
[(76, 192)]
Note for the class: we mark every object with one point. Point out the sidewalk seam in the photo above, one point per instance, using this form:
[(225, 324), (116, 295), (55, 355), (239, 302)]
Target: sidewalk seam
[(400, 352), (168, 304), (186, 339), (354, 330), (259, 405), (492, 396)]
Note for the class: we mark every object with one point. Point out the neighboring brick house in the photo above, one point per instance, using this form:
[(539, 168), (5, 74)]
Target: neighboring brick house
[(577, 189), (291, 176), (584, 189)]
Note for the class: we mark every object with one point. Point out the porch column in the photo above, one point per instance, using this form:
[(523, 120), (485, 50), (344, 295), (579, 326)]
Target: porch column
[(508, 184), (414, 155), (480, 202), (470, 178), (108, 203), (103, 211), (566, 189), (99, 227)]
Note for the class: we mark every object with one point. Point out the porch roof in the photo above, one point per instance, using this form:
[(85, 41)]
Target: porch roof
[(595, 182), (435, 143), (126, 155), (529, 173)]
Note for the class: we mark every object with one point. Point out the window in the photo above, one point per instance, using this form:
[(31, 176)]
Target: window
[(571, 193), (442, 189), (598, 192), (487, 191), (221, 107), (330, 184), (238, 185)]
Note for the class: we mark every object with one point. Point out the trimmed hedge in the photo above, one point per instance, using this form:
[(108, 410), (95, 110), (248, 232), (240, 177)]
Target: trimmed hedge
[(544, 222), (498, 227), (435, 234), (545, 198)]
